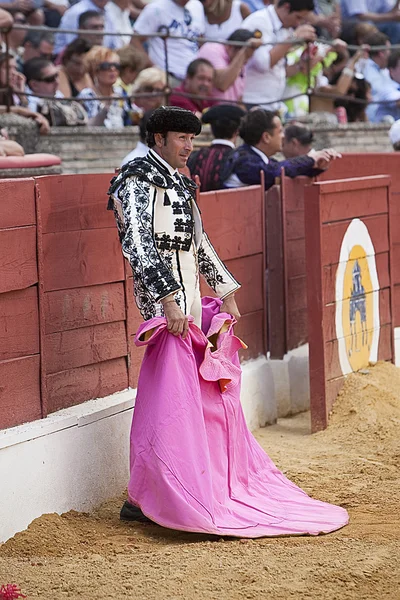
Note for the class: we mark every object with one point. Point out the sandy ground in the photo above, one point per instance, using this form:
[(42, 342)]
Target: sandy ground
[(355, 463)]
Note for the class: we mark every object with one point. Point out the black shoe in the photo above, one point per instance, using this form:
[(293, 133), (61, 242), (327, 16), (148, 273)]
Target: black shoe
[(130, 512)]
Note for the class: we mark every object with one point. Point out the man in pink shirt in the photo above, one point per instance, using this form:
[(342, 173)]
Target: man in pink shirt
[(198, 85), (229, 63)]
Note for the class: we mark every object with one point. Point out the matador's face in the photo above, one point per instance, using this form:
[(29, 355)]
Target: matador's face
[(175, 148)]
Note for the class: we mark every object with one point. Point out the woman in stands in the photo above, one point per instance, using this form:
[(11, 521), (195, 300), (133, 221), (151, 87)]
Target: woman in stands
[(103, 66), (13, 98), (73, 76)]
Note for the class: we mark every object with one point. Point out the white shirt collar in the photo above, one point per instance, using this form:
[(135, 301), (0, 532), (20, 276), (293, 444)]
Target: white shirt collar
[(157, 157), (275, 20), (224, 142), (263, 156)]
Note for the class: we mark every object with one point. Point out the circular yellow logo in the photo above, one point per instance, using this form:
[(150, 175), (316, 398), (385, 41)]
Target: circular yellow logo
[(357, 300)]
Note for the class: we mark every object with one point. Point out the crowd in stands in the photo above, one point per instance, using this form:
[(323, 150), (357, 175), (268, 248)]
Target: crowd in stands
[(110, 67)]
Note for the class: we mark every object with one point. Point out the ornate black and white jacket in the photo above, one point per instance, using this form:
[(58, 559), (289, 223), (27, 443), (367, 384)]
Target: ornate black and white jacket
[(157, 218)]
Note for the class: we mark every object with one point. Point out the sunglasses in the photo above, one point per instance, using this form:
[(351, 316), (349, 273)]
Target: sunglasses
[(148, 89), (50, 78), (105, 66)]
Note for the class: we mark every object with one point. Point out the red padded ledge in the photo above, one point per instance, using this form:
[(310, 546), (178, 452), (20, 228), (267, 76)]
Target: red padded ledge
[(29, 161)]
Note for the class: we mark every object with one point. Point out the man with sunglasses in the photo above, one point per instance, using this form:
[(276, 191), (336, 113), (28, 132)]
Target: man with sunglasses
[(41, 78)]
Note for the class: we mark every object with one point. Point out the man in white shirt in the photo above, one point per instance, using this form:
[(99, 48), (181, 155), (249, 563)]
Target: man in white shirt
[(266, 70), (70, 20), (178, 17), (119, 12)]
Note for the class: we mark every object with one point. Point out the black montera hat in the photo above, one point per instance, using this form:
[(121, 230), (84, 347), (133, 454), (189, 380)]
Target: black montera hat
[(173, 118), (223, 111)]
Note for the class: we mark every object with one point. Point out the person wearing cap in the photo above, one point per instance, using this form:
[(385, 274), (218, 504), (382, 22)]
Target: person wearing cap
[(394, 136), (208, 163), (262, 133), (229, 63), (161, 232)]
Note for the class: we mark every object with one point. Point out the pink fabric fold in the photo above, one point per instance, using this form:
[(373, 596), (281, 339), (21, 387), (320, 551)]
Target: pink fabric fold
[(194, 464)]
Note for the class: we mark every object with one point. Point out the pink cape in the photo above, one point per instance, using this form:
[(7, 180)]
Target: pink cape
[(194, 464)]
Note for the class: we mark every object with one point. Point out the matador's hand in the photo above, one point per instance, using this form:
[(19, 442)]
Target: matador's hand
[(229, 306), (177, 323)]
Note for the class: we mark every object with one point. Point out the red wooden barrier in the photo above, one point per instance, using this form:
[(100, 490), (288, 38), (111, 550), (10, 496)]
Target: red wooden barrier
[(349, 290), (20, 398)]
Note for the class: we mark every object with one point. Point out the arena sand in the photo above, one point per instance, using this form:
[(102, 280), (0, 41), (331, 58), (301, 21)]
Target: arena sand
[(355, 463)]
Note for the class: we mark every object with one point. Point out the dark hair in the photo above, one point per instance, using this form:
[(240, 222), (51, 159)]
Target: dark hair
[(85, 16), (241, 35), (359, 88), (77, 46), (394, 59), (143, 125), (5, 96), (298, 4), (34, 66), (255, 123), (302, 133), (37, 37), (376, 38), (224, 128), (195, 64)]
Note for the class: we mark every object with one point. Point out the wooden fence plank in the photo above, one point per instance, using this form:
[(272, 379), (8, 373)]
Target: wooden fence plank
[(234, 238), (17, 205), (249, 272), (19, 323), (20, 391), (360, 204), (74, 202), (250, 329), (378, 228), (72, 387), (81, 307), (18, 264), (85, 346), (82, 258)]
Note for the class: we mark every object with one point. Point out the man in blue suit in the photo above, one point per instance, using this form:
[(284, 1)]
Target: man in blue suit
[(262, 133)]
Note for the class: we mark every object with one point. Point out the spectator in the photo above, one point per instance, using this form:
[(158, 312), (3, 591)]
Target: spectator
[(92, 21), (327, 18), (394, 136), (382, 13), (70, 20), (385, 92), (38, 44), (224, 17), (394, 66), (266, 71), (229, 64), (141, 147), (41, 78), (208, 163), (297, 140), (198, 82), (73, 76), (359, 89), (16, 37), (179, 17), (17, 81), (32, 9), (262, 133), (119, 11), (103, 67), (132, 63), (151, 81), (9, 147)]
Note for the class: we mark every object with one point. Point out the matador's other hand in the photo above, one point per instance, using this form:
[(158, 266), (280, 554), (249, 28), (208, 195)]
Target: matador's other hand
[(229, 306), (177, 323)]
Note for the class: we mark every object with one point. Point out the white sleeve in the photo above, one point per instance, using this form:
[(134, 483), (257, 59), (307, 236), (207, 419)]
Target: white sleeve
[(148, 21), (261, 60)]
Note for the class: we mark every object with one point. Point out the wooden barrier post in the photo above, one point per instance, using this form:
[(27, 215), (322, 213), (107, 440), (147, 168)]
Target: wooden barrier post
[(349, 284)]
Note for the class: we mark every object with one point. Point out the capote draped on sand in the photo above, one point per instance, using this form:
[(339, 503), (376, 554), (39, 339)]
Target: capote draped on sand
[(195, 466)]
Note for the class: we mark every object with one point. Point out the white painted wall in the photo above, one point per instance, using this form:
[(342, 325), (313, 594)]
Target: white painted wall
[(79, 457)]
